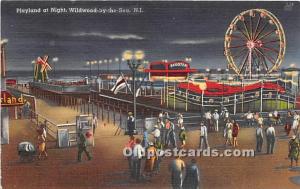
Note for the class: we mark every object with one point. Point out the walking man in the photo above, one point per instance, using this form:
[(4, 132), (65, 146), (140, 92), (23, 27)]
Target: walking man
[(203, 137), (82, 146), (95, 123), (138, 153), (270, 133), (171, 136), (192, 176), (182, 137), (130, 124), (216, 117), (176, 168), (259, 138), (163, 131), (180, 120), (294, 149)]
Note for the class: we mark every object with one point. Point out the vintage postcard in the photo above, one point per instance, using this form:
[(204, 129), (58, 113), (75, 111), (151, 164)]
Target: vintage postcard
[(150, 94)]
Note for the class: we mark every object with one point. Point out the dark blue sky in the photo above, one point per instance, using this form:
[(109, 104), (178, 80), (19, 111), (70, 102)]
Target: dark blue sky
[(165, 30)]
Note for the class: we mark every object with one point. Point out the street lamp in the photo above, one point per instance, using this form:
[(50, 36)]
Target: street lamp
[(99, 63), (33, 64), (54, 60), (109, 62), (188, 59), (88, 63), (118, 61), (133, 62)]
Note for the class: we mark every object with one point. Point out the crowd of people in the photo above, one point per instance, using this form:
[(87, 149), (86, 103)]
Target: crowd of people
[(163, 137)]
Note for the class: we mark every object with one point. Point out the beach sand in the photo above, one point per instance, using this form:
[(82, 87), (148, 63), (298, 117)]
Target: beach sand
[(109, 168)]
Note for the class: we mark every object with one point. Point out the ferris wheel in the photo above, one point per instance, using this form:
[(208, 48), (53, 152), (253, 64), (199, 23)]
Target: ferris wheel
[(254, 43)]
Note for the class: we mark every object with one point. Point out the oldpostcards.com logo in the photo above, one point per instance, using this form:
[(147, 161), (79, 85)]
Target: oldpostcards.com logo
[(209, 152)]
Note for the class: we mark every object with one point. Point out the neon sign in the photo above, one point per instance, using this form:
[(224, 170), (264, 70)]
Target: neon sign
[(8, 100)]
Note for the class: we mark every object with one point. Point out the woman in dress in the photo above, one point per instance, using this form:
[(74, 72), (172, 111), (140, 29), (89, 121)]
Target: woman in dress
[(295, 123), (42, 146), (228, 133), (151, 158), (235, 132), (288, 123)]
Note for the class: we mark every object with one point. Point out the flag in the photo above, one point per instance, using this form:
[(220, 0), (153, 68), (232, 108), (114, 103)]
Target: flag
[(120, 84)]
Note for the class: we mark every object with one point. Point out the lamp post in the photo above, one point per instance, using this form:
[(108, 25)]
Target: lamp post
[(117, 60), (33, 64), (109, 62), (99, 63), (54, 60), (88, 63), (133, 62)]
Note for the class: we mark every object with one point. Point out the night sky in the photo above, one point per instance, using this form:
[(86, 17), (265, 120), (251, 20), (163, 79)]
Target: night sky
[(164, 30)]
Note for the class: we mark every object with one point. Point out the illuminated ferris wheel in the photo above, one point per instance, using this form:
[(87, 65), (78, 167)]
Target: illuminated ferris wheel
[(254, 43)]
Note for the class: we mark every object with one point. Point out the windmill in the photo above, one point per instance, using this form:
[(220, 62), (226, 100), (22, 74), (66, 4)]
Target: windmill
[(40, 69)]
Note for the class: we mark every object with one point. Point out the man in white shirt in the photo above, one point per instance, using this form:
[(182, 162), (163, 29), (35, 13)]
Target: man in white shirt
[(216, 117), (249, 118), (203, 137), (270, 133), (208, 119), (138, 153), (95, 123), (259, 138)]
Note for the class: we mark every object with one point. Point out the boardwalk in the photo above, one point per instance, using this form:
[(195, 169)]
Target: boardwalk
[(108, 169)]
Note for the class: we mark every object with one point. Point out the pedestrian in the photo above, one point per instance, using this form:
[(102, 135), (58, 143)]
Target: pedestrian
[(156, 134), (182, 137), (41, 141), (82, 146), (203, 137), (151, 158), (43, 128), (159, 148), (249, 118), (235, 132), (228, 125), (216, 117), (163, 131), (260, 120), (176, 168), (180, 120), (166, 117), (259, 138), (295, 125), (270, 134), (294, 149), (145, 141), (276, 117), (229, 135), (171, 136), (130, 144), (130, 124), (192, 176), (138, 153), (94, 123), (225, 115), (208, 120), (288, 123), (160, 116)]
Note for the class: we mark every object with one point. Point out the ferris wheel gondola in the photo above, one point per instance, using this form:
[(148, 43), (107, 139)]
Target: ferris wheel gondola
[(254, 43)]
